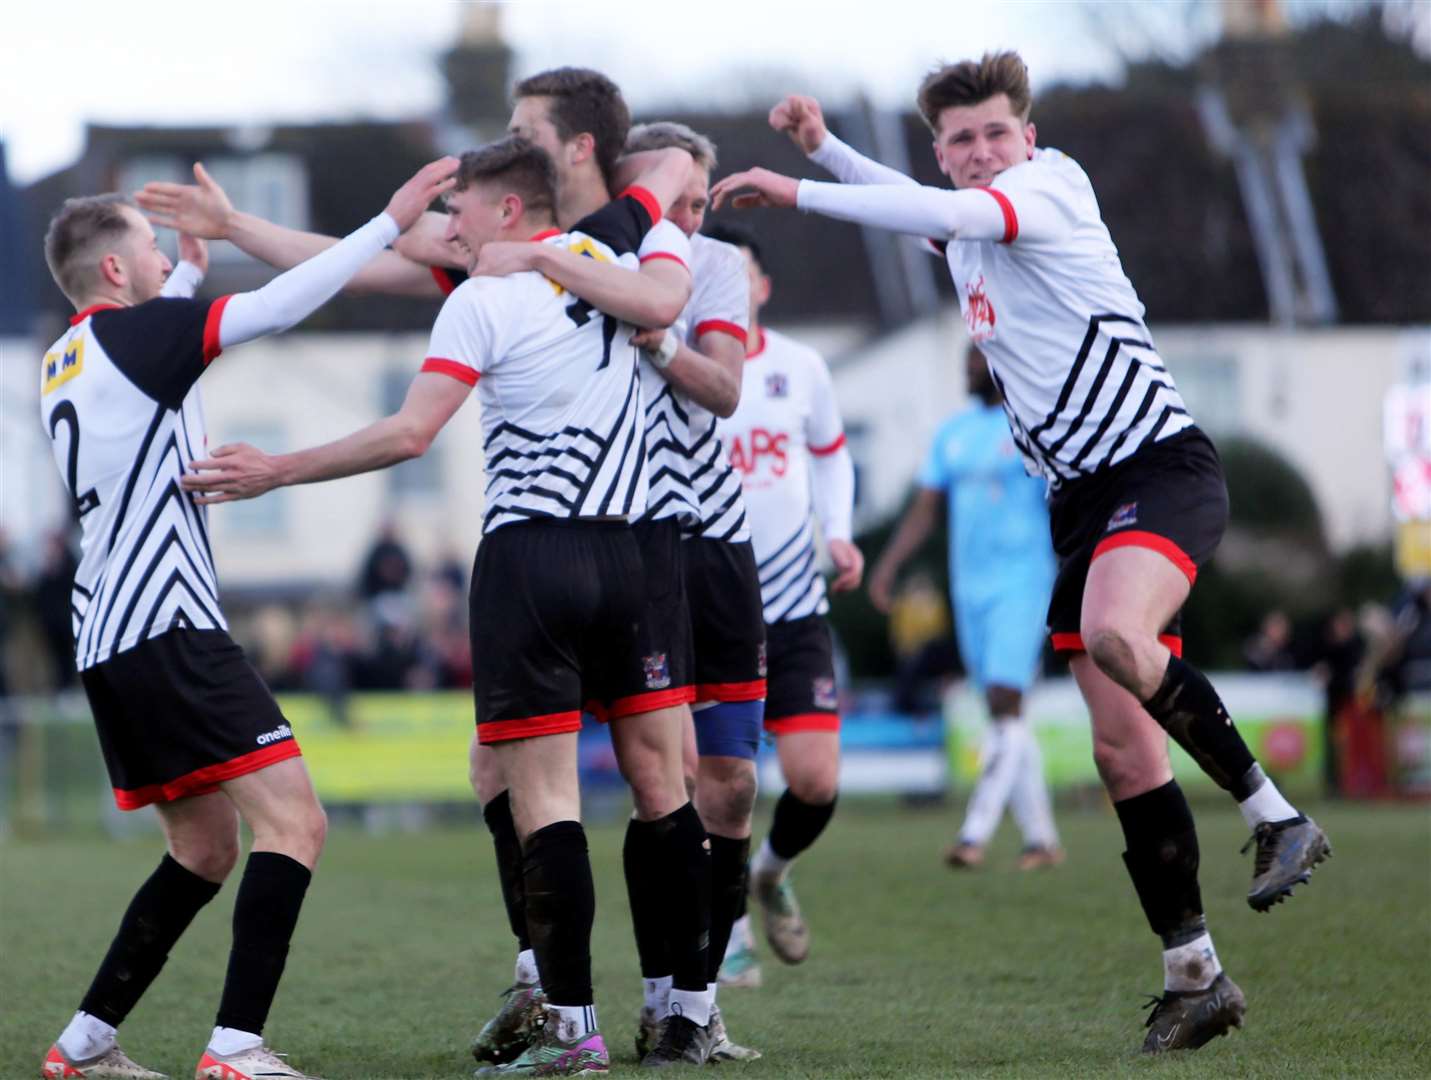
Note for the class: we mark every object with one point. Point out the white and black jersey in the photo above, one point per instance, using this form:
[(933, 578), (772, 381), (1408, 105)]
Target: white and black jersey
[(119, 401), (559, 382), (668, 426), (720, 303)]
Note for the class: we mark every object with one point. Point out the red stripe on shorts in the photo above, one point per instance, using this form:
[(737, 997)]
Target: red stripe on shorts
[(205, 780)]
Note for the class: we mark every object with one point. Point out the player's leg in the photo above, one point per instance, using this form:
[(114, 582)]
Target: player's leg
[(1161, 855), (1131, 593), (289, 827), (998, 756), (507, 1033), (201, 835)]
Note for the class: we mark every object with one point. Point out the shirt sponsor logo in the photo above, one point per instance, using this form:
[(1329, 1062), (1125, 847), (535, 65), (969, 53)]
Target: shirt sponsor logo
[(278, 734), (1125, 515), (658, 671), (777, 385), (980, 313), (747, 451), (823, 693), (60, 368)]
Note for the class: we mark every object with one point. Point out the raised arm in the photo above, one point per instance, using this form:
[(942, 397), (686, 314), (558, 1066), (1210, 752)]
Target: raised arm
[(203, 209), (800, 117), (296, 294), (241, 471)]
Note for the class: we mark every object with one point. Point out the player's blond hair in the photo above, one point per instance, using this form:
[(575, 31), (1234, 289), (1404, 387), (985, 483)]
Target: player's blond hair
[(78, 234), (667, 133), (971, 81)]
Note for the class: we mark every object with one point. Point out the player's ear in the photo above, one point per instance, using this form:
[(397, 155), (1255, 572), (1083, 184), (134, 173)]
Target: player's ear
[(1030, 137), (764, 287), (583, 146), (112, 270)]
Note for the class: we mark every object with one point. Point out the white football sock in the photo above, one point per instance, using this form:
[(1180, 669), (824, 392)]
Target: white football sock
[(1192, 966), (573, 1021), (225, 1041), (657, 992), (1029, 802), (85, 1037), (527, 968), (1266, 804), (999, 760), (739, 936), (694, 1005), (767, 864)]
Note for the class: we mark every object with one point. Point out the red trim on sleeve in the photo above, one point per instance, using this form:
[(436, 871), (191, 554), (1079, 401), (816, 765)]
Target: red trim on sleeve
[(810, 721), (721, 326), (205, 780), (821, 451), (81, 316), (1073, 643), (646, 199), (760, 345), (545, 234), (212, 345), (461, 372), (528, 727), (1153, 542), (439, 275), (753, 690), (665, 255), (1011, 219)]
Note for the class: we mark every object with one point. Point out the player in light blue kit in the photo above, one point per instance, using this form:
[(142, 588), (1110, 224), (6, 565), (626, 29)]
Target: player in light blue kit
[(1001, 570)]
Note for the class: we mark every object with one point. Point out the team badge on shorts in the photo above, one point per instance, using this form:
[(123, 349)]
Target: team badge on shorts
[(777, 385), (1125, 515), (760, 662), (658, 671), (823, 693)]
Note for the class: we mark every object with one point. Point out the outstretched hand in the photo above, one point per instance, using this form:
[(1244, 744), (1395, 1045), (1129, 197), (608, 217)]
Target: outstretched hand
[(800, 117), (755, 187), (233, 471), (432, 180), (201, 209), (194, 251)]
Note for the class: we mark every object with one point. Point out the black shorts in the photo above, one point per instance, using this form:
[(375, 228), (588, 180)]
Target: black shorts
[(658, 673), (802, 693), (727, 620), (555, 607), (1169, 497), (181, 713)]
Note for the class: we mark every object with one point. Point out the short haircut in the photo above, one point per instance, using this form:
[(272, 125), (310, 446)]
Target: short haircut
[(519, 166), (584, 101), (667, 133), (77, 236), (742, 236), (971, 81)]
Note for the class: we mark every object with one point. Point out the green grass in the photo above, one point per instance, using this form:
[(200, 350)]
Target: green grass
[(915, 971)]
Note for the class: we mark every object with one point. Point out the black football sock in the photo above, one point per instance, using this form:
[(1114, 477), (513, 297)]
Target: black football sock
[(1162, 860), (561, 907), (1189, 709), (266, 909), (498, 816), (160, 912), (796, 824), (728, 875), (685, 860), (645, 887)]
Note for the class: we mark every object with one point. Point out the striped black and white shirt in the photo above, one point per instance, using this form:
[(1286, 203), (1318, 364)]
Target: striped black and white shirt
[(119, 401), (719, 303), (559, 383)]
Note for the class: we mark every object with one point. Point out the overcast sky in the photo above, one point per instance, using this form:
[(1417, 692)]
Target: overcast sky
[(65, 62)]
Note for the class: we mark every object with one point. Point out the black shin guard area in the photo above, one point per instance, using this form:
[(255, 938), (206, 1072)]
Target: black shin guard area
[(728, 871), (498, 816), (645, 888), (160, 912), (1162, 860), (796, 824), (561, 906), (270, 896), (687, 865), (1190, 711)]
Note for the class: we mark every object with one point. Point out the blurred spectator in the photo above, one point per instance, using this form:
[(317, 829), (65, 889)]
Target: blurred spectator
[(924, 647), (1270, 649), (1336, 662), (54, 587), (387, 567)]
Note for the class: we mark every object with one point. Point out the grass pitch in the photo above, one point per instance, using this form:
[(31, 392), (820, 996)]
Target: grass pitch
[(915, 971)]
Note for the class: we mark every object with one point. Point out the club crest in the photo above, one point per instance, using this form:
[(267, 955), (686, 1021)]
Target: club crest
[(658, 671), (1125, 515), (823, 693), (777, 385)]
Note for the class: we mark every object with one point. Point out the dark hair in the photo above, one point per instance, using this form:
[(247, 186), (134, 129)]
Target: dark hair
[(667, 133), (518, 165), (77, 231), (972, 81), (584, 101), (742, 236)]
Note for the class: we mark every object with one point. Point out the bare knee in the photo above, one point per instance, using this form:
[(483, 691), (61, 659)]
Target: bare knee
[(725, 795), (1130, 767), (300, 834), (211, 855), (1112, 650), (816, 784)]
